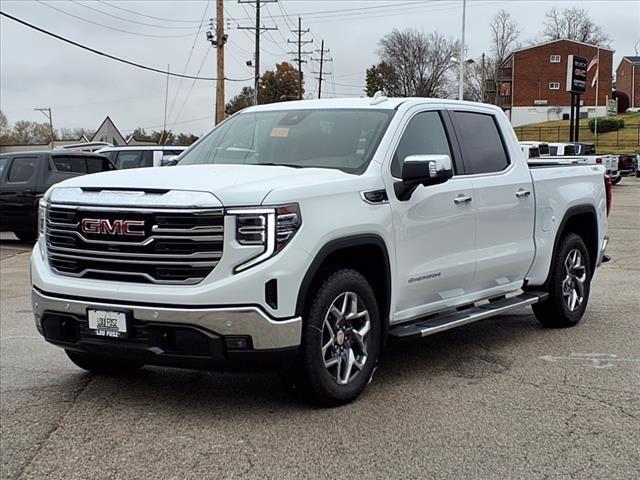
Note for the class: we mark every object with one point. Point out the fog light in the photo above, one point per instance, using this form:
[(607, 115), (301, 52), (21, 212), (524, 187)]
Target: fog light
[(237, 343)]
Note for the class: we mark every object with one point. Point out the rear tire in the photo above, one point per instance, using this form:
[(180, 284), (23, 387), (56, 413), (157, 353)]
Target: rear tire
[(103, 366), (569, 285), (340, 342), (26, 235)]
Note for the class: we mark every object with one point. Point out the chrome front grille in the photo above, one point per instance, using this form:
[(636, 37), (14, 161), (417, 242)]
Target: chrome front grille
[(169, 246)]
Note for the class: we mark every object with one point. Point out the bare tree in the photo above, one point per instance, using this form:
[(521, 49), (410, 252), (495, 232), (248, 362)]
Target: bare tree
[(574, 24), (421, 62), (505, 33)]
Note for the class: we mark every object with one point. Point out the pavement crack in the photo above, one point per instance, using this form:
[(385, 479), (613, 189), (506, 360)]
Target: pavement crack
[(78, 391)]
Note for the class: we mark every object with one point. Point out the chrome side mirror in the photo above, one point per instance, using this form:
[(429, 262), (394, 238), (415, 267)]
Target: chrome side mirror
[(422, 170)]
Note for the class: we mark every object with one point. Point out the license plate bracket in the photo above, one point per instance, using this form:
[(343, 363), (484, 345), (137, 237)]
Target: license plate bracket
[(108, 323)]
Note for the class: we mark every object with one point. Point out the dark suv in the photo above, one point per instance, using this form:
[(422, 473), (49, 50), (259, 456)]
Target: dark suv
[(25, 176)]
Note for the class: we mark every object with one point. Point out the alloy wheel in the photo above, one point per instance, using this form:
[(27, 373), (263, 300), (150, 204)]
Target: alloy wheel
[(345, 334), (575, 276)]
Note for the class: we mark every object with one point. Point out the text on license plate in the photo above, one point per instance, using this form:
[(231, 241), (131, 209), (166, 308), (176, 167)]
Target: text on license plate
[(107, 323)]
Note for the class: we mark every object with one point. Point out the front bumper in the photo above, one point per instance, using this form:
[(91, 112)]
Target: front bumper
[(170, 335)]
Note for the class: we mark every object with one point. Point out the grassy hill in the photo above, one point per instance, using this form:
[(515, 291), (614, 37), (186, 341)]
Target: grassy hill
[(626, 139)]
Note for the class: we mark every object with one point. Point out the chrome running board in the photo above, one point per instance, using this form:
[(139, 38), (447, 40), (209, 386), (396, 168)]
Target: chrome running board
[(452, 319)]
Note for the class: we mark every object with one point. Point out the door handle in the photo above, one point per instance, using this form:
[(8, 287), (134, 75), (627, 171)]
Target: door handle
[(523, 193), (462, 198)]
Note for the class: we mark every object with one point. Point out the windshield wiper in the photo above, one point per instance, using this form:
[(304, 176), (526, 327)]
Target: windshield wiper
[(291, 165)]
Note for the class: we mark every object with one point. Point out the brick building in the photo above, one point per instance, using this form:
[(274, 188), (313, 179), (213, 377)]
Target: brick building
[(531, 82), (628, 79)]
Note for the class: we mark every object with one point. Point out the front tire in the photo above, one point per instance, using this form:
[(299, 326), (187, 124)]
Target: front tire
[(340, 341), (616, 180), (103, 366), (569, 285)]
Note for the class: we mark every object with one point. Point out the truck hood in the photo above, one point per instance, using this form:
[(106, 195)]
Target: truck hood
[(233, 185)]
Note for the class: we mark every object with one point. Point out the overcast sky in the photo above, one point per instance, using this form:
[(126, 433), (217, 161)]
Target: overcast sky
[(82, 88)]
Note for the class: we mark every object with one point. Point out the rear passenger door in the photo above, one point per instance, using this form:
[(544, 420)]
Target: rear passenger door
[(503, 200), (18, 192)]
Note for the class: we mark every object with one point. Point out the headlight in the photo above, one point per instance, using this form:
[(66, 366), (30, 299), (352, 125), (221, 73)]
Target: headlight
[(271, 228), (42, 226)]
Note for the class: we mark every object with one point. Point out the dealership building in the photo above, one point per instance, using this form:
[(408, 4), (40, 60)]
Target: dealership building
[(531, 83), (628, 80)]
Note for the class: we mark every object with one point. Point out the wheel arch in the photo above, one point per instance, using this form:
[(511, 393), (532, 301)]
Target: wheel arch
[(583, 221), (366, 253)]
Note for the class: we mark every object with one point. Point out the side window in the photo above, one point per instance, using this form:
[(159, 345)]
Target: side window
[(483, 150), (97, 164), (424, 135), (23, 169), (70, 164), (110, 155), (3, 163), (128, 159), (147, 158)]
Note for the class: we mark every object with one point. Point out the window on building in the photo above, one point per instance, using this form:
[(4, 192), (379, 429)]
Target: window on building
[(554, 85), (484, 150), (554, 58)]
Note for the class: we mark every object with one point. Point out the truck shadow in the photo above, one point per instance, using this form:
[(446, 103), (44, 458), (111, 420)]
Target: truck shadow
[(471, 352)]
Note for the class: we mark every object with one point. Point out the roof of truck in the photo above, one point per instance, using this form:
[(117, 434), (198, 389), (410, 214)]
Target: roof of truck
[(379, 103)]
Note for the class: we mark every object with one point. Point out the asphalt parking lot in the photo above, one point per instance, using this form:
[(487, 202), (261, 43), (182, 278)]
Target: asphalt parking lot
[(502, 398)]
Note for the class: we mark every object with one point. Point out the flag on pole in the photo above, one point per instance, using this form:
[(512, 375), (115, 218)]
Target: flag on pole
[(593, 63), (595, 78)]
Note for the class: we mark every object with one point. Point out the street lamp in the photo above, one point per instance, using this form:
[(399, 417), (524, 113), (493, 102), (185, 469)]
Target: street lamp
[(461, 85)]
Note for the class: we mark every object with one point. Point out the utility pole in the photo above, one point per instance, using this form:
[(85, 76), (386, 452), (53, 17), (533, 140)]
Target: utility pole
[(47, 113), (322, 59), (219, 41), (462, 53), (258, 29), (299, 59)]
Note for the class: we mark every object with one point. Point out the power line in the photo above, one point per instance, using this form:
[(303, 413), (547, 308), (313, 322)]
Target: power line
[(109, 27), (124, 19), (148, 16), (112, 57), (186, 99), (186, 65)]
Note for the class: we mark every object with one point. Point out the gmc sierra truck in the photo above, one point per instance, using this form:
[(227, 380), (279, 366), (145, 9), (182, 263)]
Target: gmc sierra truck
[(300, 236)]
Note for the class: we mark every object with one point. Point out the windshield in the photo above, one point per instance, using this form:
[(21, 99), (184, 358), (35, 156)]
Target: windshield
[(343, 139)]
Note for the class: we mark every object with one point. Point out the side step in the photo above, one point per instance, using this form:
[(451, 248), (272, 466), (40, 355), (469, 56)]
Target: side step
[(446, 321)]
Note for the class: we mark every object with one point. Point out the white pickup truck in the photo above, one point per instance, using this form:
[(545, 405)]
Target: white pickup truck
[(302, 235)]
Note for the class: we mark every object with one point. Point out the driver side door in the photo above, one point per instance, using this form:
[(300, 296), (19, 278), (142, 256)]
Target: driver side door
[(434, 229)]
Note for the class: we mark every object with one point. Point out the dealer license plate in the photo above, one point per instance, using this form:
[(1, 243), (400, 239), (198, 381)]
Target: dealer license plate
[(106, 323)]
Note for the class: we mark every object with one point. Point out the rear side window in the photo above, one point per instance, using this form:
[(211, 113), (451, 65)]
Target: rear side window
[(110, 155), (147, 158), (23, 169), (482, 147), (128, 159), (97, 164), (3, 162), (70, 164), (424, 135)]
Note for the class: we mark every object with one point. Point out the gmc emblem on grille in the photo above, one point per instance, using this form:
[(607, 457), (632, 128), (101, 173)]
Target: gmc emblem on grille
[(112, 227)]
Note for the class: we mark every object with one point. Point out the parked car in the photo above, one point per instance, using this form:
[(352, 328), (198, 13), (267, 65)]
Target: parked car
[(542, 147), (26, 176), (627, 165), (142, 156), (585, 153), (301, 235)]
